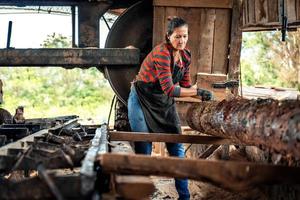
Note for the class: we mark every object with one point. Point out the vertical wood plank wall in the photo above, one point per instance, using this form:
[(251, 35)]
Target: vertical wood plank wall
[(266, 14), (209, 35)]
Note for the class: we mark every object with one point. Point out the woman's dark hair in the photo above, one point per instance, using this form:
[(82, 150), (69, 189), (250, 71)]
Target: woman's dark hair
[(174, 22)]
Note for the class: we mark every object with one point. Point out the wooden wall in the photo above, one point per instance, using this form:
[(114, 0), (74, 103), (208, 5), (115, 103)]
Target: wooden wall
[(209, 31), (266, 14)]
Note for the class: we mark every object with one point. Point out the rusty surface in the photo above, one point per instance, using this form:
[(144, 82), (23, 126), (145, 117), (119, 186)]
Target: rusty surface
[(265, 123), (68, 57)]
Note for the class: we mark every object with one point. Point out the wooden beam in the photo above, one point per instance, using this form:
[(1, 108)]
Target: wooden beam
[(232, 175), (81, 57), (195, 3), (166, 137)]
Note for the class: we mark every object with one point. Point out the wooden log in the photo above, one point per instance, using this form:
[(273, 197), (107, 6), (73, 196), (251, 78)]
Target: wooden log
[(237, 176), (166, 137), (268, 123)]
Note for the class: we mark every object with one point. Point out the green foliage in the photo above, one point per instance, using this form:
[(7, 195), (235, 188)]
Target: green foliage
[(266, 60), (54, 91)]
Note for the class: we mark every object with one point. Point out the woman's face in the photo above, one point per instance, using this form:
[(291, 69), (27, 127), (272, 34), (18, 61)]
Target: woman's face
[(179, 37)]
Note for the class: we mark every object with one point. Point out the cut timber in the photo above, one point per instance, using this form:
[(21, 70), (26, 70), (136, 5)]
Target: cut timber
[(195, 3), (85, 57), (231, 175), (166, 137), (134, 187), (205, 81), (130, 187)]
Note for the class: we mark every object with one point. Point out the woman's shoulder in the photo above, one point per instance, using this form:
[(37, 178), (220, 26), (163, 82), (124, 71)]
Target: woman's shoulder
[(161, 48)]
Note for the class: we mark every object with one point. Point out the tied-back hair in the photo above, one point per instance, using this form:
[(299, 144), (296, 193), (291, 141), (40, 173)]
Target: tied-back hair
[(174, 22)]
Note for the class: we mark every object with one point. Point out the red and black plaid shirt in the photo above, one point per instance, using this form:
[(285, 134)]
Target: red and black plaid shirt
[(157, 67)]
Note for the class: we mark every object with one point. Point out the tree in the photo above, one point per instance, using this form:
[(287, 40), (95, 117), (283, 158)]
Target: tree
[(57, 41), (273, 61)]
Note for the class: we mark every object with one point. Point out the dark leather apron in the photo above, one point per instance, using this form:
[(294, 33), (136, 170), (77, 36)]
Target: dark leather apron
[(159, 109)]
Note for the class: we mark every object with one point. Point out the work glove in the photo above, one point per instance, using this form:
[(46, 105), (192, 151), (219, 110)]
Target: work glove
[(205, 94)]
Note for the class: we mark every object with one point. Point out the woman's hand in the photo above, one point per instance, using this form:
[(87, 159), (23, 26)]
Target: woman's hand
[(205, 94)]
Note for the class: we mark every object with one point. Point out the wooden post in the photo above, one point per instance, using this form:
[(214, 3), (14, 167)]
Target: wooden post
[(236, 42)]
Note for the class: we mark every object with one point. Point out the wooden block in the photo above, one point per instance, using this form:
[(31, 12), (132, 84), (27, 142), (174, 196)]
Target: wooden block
[(134, 187), (204, 80), (195, 3)]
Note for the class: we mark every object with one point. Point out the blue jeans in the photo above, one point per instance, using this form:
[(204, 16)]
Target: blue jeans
[(138, 124)]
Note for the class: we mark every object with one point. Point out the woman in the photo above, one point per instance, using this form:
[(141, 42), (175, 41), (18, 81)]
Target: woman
[(164, 74)]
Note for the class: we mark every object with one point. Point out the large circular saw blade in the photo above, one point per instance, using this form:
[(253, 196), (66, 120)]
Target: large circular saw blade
[(133, 27)]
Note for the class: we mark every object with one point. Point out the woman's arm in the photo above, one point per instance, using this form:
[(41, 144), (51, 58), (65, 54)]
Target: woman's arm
[(188, 92)]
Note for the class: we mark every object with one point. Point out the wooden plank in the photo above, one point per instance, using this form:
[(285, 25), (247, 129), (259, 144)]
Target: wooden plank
[(298, 9), (166, 137), (221, 41), (188, 99), (208, 17), (273, 11), (232, 175), (195, 3), (251, 11), (205, 81), (261, 11), (87, 57), (291, 10), (159, 25), (235, 43)]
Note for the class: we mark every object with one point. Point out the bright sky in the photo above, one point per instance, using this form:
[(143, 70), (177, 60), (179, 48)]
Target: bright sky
[(30, 30)]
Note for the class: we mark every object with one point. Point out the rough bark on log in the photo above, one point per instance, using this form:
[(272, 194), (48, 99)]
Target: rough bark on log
[(267, 123)]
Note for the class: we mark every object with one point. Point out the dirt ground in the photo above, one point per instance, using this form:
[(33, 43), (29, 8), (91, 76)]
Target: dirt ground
[(165, 189)]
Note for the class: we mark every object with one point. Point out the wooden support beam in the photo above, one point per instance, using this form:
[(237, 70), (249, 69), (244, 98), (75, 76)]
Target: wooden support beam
[(166, 137), (88, 22), (232, 175), (69, 58), (195, 3)]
